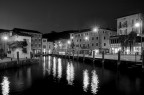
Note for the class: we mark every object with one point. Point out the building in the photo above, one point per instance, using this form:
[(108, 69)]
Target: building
[(4, 39), (36, 39), (19, 44), (50, 47), (44, 46), (130, 23), (61, 46), (97, 41)]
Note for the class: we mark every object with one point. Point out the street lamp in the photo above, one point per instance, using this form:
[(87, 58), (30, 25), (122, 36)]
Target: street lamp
[(86, 38), (139, 25), (96, 30), (5, 38)]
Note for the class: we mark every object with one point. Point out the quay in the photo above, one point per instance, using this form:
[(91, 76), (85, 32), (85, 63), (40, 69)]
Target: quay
[(112, 61), (7, 63)]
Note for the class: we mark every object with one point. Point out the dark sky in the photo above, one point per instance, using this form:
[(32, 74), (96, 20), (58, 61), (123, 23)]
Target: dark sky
[(59, 15)]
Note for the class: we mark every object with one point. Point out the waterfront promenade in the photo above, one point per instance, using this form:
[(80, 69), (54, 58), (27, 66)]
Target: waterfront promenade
[(131, 58)]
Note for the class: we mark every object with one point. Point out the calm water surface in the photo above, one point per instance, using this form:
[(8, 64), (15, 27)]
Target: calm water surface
[(56, 76)]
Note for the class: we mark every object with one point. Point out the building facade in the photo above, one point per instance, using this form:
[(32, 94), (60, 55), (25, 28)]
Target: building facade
[(44, 46), (19, 43), (4, 39), (130, 23), (96, 41), (36, 39), (50, 47)]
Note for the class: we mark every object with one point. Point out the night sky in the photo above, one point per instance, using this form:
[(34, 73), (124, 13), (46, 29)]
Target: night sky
[(61, 15)]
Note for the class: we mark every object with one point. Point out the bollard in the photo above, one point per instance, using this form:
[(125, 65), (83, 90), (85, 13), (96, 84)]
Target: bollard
[(102, 56), (83, 55), (135, 57), (77, 55), (143, 60), (93, 56), (119, 55), (73, 54), (17, 57)]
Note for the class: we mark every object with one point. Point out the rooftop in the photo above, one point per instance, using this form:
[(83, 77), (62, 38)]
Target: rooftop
[(26, 30)]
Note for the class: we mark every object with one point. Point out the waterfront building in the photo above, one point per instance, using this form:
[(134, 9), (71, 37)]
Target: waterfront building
[(50, 47), (4, 39), (87, 39), (36, 39), (126, 41), (44, 46), (130, 23), (61, 46), (19, 43)]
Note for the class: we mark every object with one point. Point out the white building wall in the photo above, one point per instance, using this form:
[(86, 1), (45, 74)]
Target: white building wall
[(13, 54), (126, 24), (44, 46)]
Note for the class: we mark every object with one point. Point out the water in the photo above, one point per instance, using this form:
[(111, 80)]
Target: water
[(56, 76)]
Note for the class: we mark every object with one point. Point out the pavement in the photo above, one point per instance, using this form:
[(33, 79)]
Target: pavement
[(133, 58), (9, 59)]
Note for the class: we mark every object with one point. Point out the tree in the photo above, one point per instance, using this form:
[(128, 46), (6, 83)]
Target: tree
[(18, 44), (132, 39)]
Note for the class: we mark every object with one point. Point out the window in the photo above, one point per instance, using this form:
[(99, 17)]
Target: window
[(96, 44), (44, 46), (104, 37), (92, 38), (80, 40), (97, 38), (92, 44), (44, 40), (104, 44)]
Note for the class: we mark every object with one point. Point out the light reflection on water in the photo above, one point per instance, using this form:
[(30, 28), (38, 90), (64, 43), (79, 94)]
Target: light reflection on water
[(59, 68), (94, 82), (5, 86), (79, 75), (49, 65), (54, 67), (70, 73), (85, 80)]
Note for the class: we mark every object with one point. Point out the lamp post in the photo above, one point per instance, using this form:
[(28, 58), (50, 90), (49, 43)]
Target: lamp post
[(96, 30), (5, 38), (139, 25)]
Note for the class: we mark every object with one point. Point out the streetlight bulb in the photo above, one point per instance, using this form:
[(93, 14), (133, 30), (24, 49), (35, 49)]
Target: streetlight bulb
[(72, 37), (86, 38), (137, 25), (69, 42), (95, 29), (5, 38)]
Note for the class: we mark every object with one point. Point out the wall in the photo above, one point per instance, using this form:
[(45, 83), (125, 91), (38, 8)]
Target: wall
[(13, 54)]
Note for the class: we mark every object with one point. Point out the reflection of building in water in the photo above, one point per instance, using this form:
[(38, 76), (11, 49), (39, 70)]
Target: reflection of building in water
[(5, 86), (70, 73), (54, 67), (94, 82), (85, 80), (59, 68), (44, 67), (49, 65)]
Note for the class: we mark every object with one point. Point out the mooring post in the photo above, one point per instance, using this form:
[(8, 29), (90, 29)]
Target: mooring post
[(102, 56), (93, 56), (119, 55), (73, 54), (17, 57), (143, 60), (77, 55), (135, 56), (83, 55)]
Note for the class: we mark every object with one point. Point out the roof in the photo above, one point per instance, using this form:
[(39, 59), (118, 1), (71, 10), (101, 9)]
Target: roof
[(26, 30), (4, 30), (20, 34)]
